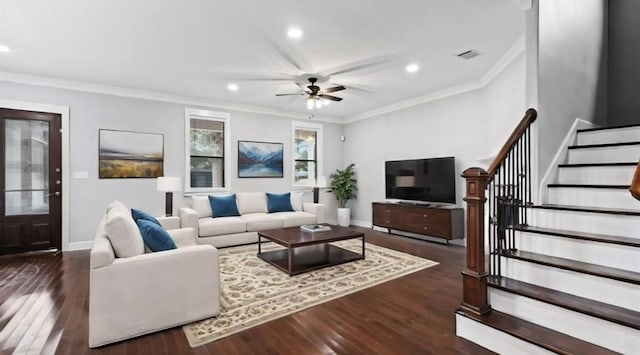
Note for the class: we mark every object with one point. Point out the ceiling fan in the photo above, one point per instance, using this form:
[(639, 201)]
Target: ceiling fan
[(316, 95)]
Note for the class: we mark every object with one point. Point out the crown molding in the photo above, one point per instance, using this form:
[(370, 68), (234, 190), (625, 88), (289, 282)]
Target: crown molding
[(507, 58), (155, 96)]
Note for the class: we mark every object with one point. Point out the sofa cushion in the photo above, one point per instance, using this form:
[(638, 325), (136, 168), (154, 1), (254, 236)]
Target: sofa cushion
[(261, 221), (296, 201), (224, 205), (252, 202), (201, 205), (209, 226), (279, 202), (154, 236), (123, 233), (293, 219), (138, 214)]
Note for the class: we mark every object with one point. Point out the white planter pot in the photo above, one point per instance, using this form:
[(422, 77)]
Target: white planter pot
[(344, 216)]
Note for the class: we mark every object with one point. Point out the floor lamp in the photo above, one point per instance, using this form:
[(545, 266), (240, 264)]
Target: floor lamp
[(169, 185)]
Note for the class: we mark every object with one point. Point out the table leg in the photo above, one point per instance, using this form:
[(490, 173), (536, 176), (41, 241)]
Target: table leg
[(259, 244), (363, 246), (290, 261)]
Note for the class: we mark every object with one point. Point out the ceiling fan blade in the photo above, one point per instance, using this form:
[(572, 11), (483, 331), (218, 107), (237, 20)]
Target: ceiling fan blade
[(329, 97), (298, 94), (333, 89), (361, 64), (299, 64)]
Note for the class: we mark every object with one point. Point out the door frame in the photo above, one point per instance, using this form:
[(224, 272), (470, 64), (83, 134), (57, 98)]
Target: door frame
[(63, 111)]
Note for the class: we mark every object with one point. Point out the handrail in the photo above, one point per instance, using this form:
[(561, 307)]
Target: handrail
[(526, 121), (508, 185), (634, 189)]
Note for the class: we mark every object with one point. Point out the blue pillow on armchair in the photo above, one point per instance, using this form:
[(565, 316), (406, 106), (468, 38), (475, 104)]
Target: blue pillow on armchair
[(154, 236), (138, 214), (223, 205), (279, 202)]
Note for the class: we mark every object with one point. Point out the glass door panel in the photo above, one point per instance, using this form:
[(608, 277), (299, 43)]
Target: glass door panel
[(26, 157)]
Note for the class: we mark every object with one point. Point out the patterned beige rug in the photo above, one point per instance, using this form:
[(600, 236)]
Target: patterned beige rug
[(254, 292)]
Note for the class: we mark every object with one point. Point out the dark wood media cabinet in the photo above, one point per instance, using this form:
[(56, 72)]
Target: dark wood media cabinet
[(446, 222)]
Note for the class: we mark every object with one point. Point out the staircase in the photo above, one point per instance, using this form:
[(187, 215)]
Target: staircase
[(569, 282)]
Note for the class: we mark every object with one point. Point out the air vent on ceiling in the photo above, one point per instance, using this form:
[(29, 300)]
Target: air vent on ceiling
[(469, 54)]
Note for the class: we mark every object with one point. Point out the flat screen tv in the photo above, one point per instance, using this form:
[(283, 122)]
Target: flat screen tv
[(423, 180)]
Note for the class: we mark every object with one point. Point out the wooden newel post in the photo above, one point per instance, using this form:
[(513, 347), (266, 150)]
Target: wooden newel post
[(474, 278)]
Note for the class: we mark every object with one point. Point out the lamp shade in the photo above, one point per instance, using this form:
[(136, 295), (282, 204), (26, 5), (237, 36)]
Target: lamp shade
[(169, 184), (321, 181)]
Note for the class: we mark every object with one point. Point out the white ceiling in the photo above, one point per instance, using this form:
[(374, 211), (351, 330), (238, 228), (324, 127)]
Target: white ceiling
[(195, 48)]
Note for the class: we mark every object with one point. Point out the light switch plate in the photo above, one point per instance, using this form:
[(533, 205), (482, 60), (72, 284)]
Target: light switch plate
[(80, 175)]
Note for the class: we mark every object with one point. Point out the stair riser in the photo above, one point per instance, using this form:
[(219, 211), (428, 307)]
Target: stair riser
[(590, 197), (616, 154), (596, 331), (493, 339), (622, 294), (611, 255), (610, 224), (597, 175), (631, 134)]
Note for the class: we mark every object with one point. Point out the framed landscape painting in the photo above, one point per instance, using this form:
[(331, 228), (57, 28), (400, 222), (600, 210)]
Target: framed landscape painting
[(125, 154), (260, 159)]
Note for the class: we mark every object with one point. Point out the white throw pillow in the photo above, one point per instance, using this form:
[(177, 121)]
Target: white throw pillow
[(123, 232), (201, 205), (296, 200), (252, 202)]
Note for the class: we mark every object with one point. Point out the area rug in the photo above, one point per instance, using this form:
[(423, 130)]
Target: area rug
[(254, 292)]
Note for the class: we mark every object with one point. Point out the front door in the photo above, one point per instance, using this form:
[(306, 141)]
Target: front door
[(31, 181)]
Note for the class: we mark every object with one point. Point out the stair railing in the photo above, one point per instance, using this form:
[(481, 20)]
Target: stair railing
[(506, 185)]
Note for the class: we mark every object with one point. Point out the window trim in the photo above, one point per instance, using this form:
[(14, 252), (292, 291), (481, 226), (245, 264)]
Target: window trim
[(225, 117), (318, 128)]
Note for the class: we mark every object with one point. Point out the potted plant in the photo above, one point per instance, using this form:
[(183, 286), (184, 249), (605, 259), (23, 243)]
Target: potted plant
[(343, 186)]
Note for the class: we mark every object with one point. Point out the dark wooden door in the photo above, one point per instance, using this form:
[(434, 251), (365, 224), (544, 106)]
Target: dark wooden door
[(30, 181)]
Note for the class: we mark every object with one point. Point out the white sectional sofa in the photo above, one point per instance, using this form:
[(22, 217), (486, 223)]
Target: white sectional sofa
[(254, 217), (142, 292)]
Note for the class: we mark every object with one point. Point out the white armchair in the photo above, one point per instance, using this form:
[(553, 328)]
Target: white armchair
[(145, 293)]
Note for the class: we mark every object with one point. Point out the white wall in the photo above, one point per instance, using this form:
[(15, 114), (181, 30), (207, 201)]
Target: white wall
[(90, 112), (468, 126), (571, 69)]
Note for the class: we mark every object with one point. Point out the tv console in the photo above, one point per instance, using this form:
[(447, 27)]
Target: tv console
[(440, 221)]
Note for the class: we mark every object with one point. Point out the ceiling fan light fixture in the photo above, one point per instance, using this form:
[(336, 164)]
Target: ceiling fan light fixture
[(310, 104), (318, 103)]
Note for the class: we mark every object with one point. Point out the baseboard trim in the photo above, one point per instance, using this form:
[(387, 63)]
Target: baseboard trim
[(551, 175), (80, 245)]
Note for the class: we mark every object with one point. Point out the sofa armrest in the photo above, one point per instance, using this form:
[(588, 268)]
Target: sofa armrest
[(168, 223), (317, 209), (150, 292), (189, 219), (183, 237)]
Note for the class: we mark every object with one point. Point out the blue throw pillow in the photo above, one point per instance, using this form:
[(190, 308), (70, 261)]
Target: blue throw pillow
[(138, 214), (154, 236), (279, 202), (224, 206)]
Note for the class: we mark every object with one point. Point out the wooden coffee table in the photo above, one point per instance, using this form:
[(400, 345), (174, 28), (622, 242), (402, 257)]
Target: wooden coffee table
[(306, 251)]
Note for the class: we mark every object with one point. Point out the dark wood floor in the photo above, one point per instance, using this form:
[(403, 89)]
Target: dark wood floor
[(44, 309)]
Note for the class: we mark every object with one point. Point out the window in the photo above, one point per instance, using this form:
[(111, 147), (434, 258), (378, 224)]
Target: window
[(206, 149), (307, 153)]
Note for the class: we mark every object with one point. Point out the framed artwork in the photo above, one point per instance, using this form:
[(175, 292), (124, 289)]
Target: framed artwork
[(260, 159), (126, 154)]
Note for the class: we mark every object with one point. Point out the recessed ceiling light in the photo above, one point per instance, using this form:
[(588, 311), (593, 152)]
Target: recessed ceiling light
[(4, 49), (233, 87), (294, 33), (412, 68)]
